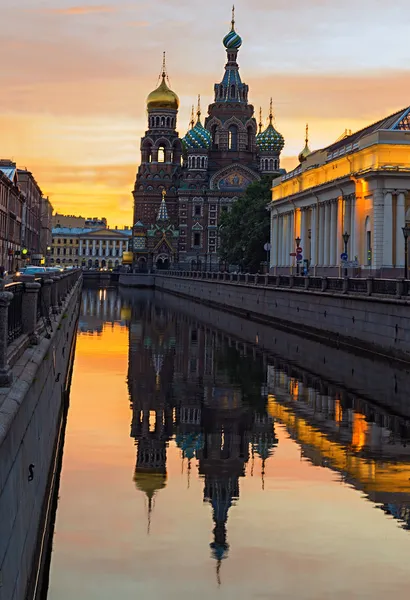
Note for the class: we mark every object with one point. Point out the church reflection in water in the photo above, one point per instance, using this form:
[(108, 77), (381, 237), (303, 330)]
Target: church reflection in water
[(184, 384), (219, 399)]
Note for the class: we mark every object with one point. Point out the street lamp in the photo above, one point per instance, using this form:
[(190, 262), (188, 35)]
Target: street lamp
[(346, 237), (197, 262), (243, 257), (406, 233), (297, 242)]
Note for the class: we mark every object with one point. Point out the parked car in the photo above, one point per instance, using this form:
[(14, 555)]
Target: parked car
[(29, 270)]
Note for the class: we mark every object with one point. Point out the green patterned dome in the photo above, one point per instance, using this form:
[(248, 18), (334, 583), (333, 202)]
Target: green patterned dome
[(232, 41), (270, 140), (197, 138)]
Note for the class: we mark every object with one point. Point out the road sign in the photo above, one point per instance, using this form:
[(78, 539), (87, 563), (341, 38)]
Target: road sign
[(299, 257), (299, 250), (344, 256), (292, 254), (267, 247)]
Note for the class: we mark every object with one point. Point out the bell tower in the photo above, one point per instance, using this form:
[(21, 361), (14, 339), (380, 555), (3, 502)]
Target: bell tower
[(161, 153)]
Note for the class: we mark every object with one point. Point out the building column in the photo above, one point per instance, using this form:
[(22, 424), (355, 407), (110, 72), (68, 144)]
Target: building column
[(291, 246), (100, 252), (352, 251), (388, 230), (121, 242), (274, 242), (80, 249), (321, 234), (281, 239), (94, 248), (304, 231), (87, 247), (400, 222), (339, 230), (326, 229), (377, 231), (313, 236), (333, 233)]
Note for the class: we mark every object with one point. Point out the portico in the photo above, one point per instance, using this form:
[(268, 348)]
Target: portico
[(359, 185)]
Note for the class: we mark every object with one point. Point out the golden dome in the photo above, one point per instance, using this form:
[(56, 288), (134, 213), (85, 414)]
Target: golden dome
[(306, 150), (163, 97), (150, 482)]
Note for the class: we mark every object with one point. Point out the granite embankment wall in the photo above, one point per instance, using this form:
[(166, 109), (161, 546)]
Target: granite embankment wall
[(327, 367), (376, 324), (30, 419)]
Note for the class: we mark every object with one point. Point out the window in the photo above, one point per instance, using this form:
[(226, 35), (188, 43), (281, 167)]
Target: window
[(215, 136), (161, 154), (71, 241), (197, 239), (197, 210), (233, 138), (65, 241)]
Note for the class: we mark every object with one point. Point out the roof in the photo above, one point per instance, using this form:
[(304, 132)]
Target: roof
[(399, 120), (9, 172), (87, 230)]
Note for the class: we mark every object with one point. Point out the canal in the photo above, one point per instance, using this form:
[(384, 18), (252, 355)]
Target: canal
[(198, 465)]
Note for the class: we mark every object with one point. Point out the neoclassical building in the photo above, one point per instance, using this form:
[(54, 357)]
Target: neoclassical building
[(357, 186), (209, 168)]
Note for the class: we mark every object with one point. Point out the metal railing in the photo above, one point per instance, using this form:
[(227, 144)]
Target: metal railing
[(15, 311), (399, 288)]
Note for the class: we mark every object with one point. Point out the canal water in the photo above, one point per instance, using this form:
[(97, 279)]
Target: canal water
[(197, 466)]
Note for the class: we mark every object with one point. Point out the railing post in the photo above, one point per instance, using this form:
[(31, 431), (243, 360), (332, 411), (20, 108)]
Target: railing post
[(246, 277), (324, 284), (306, 283), (277, 280), (369, 284), (345, 285), (6, 375), (400, 287), (47, 283), (29, 310), (291, 281), (55, 305)]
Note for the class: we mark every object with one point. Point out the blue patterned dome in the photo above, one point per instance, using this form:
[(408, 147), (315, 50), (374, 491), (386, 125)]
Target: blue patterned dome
[(270, 140), (197, 138)]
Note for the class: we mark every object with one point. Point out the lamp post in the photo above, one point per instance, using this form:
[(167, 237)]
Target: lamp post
[(297, 242), (406, 233), (197, 262), (243, 257), (346, 237)]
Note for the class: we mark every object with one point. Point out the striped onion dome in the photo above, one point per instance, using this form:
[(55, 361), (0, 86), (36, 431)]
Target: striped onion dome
[(232, 41), (197, 138)]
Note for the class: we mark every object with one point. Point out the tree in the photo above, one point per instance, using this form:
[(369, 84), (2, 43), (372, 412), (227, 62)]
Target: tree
[(246, 229)]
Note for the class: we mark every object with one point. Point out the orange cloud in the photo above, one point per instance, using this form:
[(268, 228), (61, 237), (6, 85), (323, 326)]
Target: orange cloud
[(81, 10)]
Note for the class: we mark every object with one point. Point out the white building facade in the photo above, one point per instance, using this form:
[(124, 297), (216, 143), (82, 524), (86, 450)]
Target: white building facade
[(359, 186)]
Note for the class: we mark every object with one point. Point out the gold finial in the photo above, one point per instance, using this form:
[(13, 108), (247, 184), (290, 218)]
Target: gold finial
[(260, 119), (164, 67), (192, 121), (270, 112), (233, 18), (307, 134), (198, 112), (163, 194)]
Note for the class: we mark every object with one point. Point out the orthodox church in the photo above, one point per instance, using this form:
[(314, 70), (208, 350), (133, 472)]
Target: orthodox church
[(203, 173)]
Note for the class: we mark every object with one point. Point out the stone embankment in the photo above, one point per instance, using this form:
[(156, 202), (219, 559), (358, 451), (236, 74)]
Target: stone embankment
[(37, 335), (372, 315)]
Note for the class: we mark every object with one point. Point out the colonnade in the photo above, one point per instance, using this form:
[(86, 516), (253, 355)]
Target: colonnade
[(96, 248)]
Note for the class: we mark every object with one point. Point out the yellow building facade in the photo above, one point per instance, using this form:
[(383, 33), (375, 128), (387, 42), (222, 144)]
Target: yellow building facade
[(359, 186)]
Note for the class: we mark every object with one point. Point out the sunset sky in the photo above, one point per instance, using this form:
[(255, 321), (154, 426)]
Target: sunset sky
[(74, 76)]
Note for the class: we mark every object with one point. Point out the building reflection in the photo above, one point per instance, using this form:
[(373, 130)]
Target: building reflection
[(100, 308)]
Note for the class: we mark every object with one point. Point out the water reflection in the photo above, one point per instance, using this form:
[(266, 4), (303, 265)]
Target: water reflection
[(273, 452)]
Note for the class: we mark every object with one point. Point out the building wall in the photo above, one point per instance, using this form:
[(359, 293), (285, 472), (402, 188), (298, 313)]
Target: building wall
[(59, 220), (87, 247)]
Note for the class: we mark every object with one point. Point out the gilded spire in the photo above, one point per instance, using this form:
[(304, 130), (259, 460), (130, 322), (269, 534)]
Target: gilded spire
[(270, 112), (198, 112), (164, 66), (307, 134), (233, 18), (192, 121), (260, 120)]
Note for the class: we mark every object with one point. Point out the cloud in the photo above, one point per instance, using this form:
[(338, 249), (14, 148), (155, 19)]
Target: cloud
[(81, 10)]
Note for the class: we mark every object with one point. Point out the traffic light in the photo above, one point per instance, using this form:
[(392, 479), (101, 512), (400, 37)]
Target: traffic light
[(10, 252), (24, 253), (369, 256)]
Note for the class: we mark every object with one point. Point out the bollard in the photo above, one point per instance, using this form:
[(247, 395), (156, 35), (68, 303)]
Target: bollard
[(6, 375), (29, 310), (369, 284), (345, 285)]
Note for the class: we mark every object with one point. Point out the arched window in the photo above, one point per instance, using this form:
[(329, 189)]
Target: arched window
[(161, 154), (156, 121), (162, 121), (368, 228), (271, 164), (233, 91), (250, 138), (233, 138), (203, 162), (168, 121), (215, 136)]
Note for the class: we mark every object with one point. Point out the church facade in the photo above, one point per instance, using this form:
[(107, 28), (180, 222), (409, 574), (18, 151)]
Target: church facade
[(203, 173)]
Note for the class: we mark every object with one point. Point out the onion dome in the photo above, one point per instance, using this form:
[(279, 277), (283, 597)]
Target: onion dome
[(150, 482), (163, 96), (197, 138), (306, 150), (232, 41), (269, 140)]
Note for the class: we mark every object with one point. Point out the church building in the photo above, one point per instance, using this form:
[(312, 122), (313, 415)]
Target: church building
[(204, 172)]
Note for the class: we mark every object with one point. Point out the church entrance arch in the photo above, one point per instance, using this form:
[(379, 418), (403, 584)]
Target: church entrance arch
[(162, 262)]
